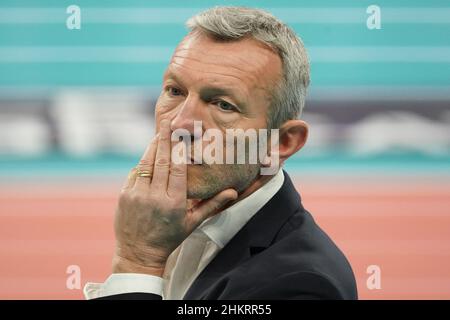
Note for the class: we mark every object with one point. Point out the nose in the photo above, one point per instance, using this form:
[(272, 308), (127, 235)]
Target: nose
[(188, 112)]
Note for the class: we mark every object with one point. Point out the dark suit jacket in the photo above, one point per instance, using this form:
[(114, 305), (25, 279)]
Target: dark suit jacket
[(280, 253)]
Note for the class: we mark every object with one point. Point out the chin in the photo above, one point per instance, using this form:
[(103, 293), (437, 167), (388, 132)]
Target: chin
[(198, 193), (203, 182), (195, 184)]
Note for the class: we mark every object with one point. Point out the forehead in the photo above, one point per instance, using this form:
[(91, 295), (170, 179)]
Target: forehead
[(245, 63)]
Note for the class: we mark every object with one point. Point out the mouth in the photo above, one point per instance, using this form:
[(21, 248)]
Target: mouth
[(192, 162), (193, 158)]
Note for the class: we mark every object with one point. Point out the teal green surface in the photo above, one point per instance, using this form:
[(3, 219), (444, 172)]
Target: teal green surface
[(406, 34), (206, 3), (394, 34), (333, 163), (142, 74)]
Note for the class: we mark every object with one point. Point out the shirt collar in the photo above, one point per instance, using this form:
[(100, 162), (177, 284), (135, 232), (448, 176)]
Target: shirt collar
[(224, 225)]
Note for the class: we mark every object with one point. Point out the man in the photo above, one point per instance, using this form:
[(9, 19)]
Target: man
[(224, 231)]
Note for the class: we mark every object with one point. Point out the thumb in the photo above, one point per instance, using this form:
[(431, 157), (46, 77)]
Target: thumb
[(210, 207)]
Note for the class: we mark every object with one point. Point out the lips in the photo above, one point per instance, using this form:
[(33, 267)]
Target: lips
[(193, 157), (192, 162)]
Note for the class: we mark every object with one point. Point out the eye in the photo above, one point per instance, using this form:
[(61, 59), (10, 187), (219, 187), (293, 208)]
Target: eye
[(174, 91), (225, 106)]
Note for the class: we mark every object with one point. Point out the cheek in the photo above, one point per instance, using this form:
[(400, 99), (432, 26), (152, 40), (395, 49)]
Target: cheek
[(162, 115), (165, 109), (225, 120)]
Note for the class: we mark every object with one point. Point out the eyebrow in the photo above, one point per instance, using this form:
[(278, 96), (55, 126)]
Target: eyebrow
[(209, 92)]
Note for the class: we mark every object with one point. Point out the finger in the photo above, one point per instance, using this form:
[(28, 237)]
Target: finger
[(162, 161), (146, 164), (212, 206), (177, 184), (130, 181)]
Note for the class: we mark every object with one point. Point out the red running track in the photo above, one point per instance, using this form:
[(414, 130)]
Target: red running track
[(401, 225)]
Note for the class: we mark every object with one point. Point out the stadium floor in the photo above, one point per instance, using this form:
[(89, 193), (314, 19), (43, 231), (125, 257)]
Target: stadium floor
[(400, 224)]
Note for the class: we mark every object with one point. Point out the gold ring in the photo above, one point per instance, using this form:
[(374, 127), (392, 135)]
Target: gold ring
[(143, 173)]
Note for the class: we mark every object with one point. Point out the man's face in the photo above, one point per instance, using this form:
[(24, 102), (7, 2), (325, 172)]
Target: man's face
[(225, 85)]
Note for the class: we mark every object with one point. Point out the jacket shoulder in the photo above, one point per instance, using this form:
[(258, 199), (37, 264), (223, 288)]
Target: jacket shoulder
[(301, 263)]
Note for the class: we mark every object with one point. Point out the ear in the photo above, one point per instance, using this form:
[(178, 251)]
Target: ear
[(292, 136)]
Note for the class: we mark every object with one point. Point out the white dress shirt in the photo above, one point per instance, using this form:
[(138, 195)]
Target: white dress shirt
[(194, 254)]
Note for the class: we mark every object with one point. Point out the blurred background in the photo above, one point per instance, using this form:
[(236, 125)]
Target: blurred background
[(76, 112)]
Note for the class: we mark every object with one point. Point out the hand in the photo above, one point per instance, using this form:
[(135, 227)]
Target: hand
[(152, 218)]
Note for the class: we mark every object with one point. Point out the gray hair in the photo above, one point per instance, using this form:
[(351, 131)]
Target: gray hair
[(234, 23)]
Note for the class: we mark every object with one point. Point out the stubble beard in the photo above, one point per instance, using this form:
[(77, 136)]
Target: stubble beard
[(205, 181)]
